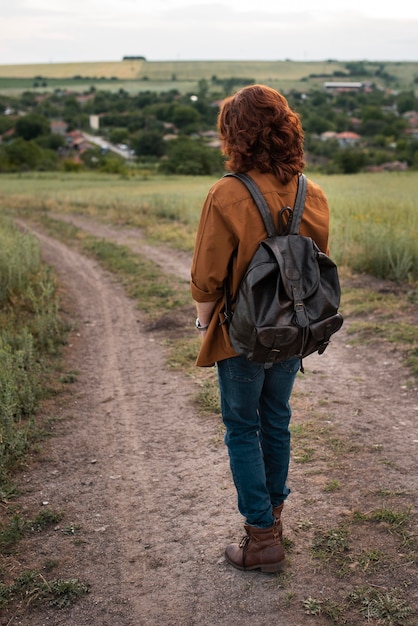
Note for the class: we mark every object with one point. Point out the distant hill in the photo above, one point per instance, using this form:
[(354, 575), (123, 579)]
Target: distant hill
[(284, 74)]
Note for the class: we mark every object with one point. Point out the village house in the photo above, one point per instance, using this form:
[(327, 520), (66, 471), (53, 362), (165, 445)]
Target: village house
[(58, 127), (346, 139), (342, 86), (77, 141)]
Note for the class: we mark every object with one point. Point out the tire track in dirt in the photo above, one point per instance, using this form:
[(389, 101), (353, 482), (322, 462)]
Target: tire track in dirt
[(374, 384), (146, 456), (170, 261), (147, 479)]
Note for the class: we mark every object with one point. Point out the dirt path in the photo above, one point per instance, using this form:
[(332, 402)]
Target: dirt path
[(146, 479)]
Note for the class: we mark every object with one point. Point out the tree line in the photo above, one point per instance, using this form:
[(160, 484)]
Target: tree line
[(175, 133)]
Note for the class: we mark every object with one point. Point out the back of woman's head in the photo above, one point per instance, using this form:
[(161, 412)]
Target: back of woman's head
[(260, 131)]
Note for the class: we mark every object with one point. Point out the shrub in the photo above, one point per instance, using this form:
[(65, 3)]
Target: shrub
[(30, 331)]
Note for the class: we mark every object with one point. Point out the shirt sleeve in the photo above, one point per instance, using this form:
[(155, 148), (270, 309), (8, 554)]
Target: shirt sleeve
[(215, 243)]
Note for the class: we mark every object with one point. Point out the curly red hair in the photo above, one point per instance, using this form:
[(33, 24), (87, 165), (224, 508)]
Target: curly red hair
[(260, 131)]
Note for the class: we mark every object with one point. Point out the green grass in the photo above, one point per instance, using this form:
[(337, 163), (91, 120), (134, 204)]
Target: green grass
[(16, 86), (394, 520), (373, 217), (386, 607), (31, 334), (331, 544), (156, 292), (383, 316), (19, 261), (374, 223), (167, 208), (332, 486), (32, 588), (376, 606), (18, 527), (370, 231)]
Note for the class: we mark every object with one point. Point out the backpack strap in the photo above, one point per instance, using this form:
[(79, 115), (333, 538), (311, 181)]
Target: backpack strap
[(296, 215), (259, 200)]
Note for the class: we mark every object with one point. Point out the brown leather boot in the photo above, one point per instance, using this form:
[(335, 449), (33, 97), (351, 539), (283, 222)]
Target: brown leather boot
[(260, 548), (277, 513)]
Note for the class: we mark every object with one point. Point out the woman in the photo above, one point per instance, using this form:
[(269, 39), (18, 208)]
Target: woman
[(263, 137)]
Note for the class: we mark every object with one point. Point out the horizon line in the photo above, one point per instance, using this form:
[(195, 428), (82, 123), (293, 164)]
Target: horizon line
[(224, 60)]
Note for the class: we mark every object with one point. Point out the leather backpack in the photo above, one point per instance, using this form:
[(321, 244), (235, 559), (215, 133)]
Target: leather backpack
[(287, 303)]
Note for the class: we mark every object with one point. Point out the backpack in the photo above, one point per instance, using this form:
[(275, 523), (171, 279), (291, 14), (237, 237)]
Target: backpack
[(287, 302)]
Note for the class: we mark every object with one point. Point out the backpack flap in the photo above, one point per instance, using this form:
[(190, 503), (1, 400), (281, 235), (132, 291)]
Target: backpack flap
[(300, 276), (253, 330)]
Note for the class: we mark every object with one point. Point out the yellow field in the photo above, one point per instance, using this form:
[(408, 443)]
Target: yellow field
[(164, 70), (195, 70), (122, 70)]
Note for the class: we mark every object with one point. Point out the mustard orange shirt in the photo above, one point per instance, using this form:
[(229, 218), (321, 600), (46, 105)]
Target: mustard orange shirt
[(230, 230)]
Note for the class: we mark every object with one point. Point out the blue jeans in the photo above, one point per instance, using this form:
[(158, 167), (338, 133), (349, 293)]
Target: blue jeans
[(256, 413)]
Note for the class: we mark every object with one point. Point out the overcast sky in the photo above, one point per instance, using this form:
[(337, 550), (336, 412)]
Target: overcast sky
[(43, 31)]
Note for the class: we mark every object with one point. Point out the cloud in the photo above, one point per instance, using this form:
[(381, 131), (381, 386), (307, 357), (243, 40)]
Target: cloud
[(37, 31)]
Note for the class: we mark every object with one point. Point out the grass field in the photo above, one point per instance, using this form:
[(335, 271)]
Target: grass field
[(369, 559), (16, 86), (140, 75), (374, 221), (164, 70)]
